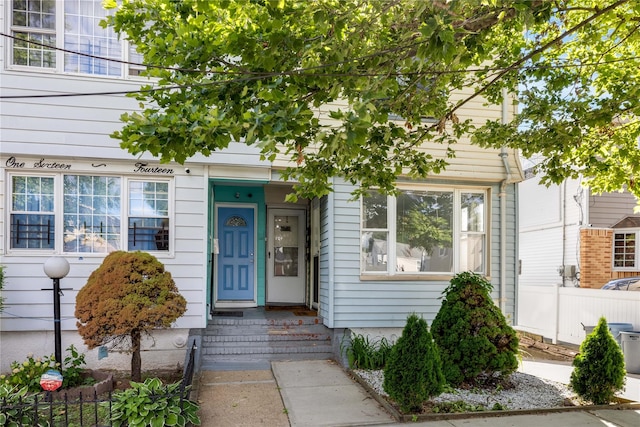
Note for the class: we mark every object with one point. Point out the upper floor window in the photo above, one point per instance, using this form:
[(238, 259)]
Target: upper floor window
[(91, 214), (72, 25), (424, 231)]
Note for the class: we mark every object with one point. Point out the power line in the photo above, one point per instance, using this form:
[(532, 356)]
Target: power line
[(301, 72), (252, 76)]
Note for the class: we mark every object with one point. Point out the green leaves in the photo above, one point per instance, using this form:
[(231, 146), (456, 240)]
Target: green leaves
[(474, 338), (599, 370), (153, 404), (264, 73)]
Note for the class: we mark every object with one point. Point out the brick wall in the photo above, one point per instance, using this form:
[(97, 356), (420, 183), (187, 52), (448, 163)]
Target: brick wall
[(595, 256)]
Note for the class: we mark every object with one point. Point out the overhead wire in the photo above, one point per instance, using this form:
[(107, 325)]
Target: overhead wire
[(245, 76)]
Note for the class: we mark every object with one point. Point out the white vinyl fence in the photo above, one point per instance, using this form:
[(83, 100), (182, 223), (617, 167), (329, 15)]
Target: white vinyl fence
[(559, 313)]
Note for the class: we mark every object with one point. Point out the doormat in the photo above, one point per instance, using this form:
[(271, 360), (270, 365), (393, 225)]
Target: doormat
[(222, 313), (305, 313), (285, 307)]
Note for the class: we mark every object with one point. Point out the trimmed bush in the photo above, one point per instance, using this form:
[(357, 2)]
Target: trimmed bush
[(473, 336), (598, 370), (413, 372), (129, 295)]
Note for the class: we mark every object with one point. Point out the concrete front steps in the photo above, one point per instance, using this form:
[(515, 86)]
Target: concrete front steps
[(237, 343)]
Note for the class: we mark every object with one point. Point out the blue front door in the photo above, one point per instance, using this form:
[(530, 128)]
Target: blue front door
[(236, 254)]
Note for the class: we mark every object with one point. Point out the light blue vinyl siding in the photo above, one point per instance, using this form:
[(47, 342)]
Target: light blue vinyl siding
[(387, 303), (325, 305)]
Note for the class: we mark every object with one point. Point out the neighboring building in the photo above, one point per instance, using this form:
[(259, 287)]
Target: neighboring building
[(219, 224), (572, 237)]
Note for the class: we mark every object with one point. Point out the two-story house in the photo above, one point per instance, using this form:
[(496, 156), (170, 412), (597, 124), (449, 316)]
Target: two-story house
[(220, 224)]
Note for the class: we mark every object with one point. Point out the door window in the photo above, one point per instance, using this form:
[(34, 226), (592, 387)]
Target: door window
[(285, 240)]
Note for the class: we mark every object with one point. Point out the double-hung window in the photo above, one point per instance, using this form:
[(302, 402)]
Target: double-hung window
[(90, 212), (424, 231), (32, 218), (48, 33), (148, 215)]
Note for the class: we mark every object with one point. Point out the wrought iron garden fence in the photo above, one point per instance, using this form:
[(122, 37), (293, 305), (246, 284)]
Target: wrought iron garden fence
[(84, 410)]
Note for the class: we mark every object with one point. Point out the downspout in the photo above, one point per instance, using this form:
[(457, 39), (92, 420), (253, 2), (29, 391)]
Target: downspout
[(503, 211)]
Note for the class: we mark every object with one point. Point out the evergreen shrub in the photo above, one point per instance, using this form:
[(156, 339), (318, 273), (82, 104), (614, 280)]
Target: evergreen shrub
[(413, 372), (476, 343), (598, 369)]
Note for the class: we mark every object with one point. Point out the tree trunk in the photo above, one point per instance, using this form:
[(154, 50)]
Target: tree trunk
[(136, 362)]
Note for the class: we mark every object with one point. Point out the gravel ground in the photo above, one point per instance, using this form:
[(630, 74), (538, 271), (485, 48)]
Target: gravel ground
[(526, 392)]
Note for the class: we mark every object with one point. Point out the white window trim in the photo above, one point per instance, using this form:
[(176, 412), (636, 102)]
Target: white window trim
[(391, 229), (58, 213), (59, 33), (636, 266)]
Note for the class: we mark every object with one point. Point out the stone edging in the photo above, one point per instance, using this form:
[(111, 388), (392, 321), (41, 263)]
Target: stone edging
[(104, 384), (480, 414)]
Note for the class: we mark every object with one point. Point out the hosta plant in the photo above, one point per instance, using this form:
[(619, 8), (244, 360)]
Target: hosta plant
[(154, 404)]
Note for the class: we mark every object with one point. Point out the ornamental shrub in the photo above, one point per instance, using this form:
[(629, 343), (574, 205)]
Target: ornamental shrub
[(413, 372), (473, 336), (598, 369), (129, 295)]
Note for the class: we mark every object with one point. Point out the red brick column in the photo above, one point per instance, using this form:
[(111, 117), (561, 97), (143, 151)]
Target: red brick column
[(596, 245)]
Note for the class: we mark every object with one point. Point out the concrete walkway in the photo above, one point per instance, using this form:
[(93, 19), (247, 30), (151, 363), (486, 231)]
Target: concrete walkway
[(320, 393)]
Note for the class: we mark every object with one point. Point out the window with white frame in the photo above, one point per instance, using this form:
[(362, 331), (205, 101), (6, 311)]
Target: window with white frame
[(625, 250), (424, 232), (148, 215), (72, 25), (92, 211), (32, 218)]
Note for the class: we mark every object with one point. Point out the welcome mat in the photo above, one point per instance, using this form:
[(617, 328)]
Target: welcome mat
[(305, 312), (285, 307), (223, 313)]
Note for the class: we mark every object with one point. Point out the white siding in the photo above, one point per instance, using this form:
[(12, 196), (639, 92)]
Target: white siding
[(79, 126), (29, 307), (550, 221), (471, 162)]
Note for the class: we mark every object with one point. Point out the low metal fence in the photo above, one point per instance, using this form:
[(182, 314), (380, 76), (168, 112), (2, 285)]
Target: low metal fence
[(94, 410)]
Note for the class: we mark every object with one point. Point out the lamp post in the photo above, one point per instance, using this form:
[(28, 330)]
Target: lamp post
[(56, 268)]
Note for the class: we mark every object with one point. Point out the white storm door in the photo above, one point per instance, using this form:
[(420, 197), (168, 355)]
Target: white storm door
[(286, 256)]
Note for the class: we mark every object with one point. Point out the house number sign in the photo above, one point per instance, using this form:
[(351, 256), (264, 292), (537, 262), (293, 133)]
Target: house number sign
[(13, 163), (141, 168)]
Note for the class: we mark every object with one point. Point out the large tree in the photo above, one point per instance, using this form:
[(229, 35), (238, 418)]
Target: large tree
[(259, 72)]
